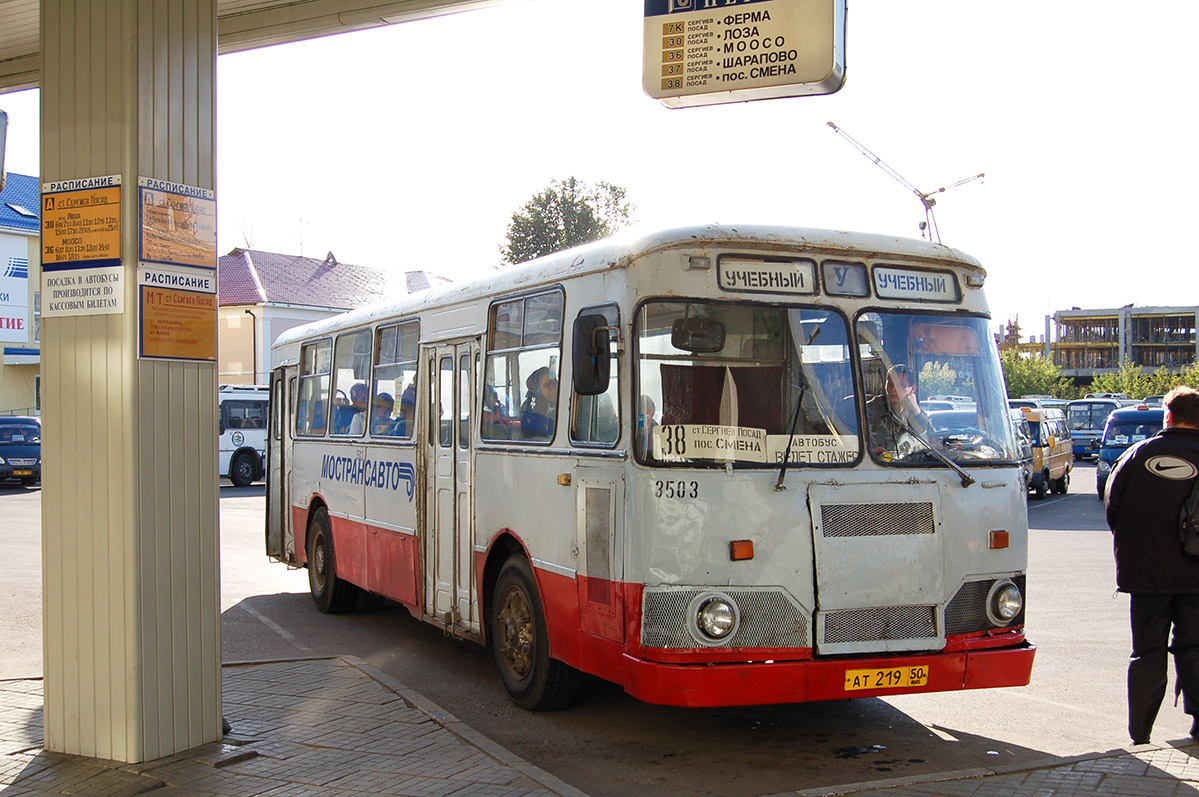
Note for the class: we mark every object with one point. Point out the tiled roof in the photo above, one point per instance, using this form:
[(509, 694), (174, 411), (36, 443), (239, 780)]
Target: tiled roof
[(22, 191), (251, 276)]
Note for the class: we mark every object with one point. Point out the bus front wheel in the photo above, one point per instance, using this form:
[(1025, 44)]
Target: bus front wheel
[(331, 594), (520, 643)]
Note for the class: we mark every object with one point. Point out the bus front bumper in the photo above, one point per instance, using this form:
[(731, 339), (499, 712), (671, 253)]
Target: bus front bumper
[(765, 683)]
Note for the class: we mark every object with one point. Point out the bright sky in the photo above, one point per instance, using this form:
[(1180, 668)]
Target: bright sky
[(409, 147)]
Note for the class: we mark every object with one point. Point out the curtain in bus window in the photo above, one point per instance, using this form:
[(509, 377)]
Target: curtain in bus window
[(705, 394)]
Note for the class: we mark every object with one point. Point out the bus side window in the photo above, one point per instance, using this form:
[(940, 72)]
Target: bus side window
[(596, 419), (393, 394), (351, 370), (312, 409), (521, 372)]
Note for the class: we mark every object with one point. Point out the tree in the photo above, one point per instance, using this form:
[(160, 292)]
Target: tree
[(1033, 376), (567, 213), (1132, 380)]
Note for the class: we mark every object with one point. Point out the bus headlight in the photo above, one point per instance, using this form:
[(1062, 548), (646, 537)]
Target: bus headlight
[(1004, 603), (714, 618)]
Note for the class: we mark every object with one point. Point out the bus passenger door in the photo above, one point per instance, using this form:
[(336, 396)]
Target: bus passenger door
[(280, 544), (449, 540)]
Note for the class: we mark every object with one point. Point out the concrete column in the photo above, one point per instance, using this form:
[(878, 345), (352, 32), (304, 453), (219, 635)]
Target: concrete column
[(131, 604)]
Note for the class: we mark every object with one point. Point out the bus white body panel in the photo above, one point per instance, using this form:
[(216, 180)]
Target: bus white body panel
[(871, 569)]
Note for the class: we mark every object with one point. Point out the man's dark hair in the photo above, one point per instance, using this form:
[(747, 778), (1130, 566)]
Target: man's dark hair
[(1183, 404)]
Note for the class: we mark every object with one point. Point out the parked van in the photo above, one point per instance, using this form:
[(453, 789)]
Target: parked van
[(242, 411), (21, 448), (1125, 427), (1052, 450), (1023, 445)]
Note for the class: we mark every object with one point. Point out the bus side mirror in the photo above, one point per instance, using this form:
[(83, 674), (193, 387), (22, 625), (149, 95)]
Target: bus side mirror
[(592, 355)]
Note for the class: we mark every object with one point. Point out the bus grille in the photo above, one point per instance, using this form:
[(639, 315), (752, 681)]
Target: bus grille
[(880, 623), (874, 520), (967, 612), (769, 619)]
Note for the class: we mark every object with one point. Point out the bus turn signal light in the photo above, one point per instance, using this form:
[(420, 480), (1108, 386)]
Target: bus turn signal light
[(999, 539), (741, 549)]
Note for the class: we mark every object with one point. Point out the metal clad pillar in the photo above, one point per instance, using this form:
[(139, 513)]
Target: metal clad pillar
[(131, 603)]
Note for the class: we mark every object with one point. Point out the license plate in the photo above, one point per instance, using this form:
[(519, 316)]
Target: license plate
[(889, 678), (22, 473)]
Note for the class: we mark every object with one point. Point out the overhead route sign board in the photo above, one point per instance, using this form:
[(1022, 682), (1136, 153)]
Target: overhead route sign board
[(81, 247), (708, 52), (178, 223)]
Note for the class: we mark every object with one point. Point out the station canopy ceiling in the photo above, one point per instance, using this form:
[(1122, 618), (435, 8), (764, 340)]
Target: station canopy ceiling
[(241, 25)]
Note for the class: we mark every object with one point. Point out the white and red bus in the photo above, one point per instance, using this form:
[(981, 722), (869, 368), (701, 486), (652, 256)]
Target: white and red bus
[(661, 460)]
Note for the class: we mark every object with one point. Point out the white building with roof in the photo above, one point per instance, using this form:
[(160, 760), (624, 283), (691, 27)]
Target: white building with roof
[(263, 294)]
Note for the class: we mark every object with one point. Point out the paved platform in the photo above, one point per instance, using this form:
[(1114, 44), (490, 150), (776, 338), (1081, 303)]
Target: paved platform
[(336, 727), (341, 727)]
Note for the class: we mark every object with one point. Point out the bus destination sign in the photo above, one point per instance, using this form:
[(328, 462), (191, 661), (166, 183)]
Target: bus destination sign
[(708, 52)]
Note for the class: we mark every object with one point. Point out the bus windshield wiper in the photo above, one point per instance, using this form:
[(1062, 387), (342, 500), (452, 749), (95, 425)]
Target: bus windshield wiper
[(966, 478), (778, 485)]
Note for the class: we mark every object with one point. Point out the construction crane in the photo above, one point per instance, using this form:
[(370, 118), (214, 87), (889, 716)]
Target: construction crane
[(929, 225)]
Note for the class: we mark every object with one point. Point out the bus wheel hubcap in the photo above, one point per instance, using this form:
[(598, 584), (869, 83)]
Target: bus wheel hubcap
[(318, 563), (516, 624)]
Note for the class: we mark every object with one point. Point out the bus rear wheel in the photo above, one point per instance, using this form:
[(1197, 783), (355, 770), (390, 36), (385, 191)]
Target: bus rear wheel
[(243, 470), (330, 593), (520, 643)]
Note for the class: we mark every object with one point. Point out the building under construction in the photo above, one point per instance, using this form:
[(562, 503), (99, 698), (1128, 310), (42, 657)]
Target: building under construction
[(1090, 342)]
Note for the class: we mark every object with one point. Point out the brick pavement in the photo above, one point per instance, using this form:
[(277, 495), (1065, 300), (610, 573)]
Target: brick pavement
[(334, 727), (341, 727)]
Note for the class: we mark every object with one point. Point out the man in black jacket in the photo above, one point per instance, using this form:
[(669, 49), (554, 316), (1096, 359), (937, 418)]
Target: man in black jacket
[(1145, 493)]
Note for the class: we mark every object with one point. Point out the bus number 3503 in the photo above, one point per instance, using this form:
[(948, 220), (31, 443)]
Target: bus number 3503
[(676, 489)]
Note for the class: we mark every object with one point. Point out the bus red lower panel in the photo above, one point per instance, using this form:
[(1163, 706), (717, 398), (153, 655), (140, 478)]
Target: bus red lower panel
[(799, 681)]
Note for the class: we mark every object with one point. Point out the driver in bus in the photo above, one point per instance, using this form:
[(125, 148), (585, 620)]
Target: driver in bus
[(895, 416)]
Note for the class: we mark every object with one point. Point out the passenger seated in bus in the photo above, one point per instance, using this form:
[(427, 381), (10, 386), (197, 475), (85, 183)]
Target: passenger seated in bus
[(381, 420), (895, 415), (540, 404), (353, 416), (402, 425)]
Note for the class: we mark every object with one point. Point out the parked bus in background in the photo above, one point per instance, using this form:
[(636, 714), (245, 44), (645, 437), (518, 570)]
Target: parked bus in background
[(673, 462), (1086, 418), (242, 426)]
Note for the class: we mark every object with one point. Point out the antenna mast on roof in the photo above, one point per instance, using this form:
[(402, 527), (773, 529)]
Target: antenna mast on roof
[(929, 224)]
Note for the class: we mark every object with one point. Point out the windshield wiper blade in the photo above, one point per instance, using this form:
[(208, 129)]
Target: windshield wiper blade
[(966, 478), (778, 485)]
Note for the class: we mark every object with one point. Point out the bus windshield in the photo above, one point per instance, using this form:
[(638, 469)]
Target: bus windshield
[(736, 383), (905, 356), (750, 385)]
